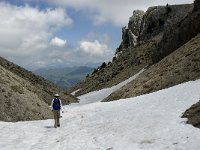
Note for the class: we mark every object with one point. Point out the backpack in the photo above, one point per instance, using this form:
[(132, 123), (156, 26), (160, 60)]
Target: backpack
[(56, 104)]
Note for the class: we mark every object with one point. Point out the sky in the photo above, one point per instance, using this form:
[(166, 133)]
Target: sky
[(59, 33)]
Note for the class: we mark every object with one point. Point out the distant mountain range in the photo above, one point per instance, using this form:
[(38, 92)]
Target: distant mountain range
[(65, 77)]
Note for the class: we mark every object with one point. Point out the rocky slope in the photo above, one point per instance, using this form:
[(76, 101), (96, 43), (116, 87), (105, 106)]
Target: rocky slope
[(125, 64), (18, 100), (180, 66), (44, 89), (177, 62), (25, 96), (130, 58), (193, 115)]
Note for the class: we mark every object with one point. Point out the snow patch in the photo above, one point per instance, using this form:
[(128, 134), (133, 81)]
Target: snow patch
[(97, 96), (73, 93)]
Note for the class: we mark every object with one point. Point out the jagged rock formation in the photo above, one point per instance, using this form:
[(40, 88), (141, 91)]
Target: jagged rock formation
[(135, 22), (196, 5), (159, 18), (130, 34), (25, 96), (177, 35), (128, 39)]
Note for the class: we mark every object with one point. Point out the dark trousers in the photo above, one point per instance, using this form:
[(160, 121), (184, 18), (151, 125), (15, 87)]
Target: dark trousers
[(56, 114)]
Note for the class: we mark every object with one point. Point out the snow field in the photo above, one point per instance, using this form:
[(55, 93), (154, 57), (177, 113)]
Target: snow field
[(148, 122)]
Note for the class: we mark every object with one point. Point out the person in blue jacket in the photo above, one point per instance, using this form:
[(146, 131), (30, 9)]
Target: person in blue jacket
[(56, 106)]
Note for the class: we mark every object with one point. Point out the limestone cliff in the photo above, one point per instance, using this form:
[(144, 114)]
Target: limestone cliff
[(159, 18)]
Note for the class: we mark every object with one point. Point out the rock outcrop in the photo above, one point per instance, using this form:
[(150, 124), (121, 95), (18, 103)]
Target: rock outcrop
[(128, 39), (177, 35), (130, 34), (159, 18), (196, 5), (193, 115)]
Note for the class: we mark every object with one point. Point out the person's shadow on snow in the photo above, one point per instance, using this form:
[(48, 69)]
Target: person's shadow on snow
[(49, 127)]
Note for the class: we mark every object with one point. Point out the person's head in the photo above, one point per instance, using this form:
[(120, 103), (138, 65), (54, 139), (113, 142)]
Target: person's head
[(56, 95)]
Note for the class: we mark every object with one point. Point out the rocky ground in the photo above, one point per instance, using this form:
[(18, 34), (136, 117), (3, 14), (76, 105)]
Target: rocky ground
[(193, 115)]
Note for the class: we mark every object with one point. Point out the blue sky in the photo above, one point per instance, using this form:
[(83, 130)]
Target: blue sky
[(58, 33)]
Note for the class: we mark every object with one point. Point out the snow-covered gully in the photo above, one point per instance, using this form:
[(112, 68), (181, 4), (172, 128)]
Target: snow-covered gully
[(147, 122)]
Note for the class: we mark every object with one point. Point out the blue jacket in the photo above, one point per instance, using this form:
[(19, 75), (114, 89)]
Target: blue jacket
[(56, 104)]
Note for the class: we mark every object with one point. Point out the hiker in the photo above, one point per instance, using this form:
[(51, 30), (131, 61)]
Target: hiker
[(56, 106)]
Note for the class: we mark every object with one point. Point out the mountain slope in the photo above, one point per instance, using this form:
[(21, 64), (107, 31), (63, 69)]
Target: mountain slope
[(44, 89), (128, 59), (180, 66), (25, 96), (18, 99), (174, 66), (127, 63)]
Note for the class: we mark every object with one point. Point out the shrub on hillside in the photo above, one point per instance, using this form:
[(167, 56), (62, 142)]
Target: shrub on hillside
[(103, 65)]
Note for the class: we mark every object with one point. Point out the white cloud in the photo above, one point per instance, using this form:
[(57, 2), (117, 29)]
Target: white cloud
[(114, 11), (25, 30), (102, 38), (26, 34), (94, 48), (58, 42)]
